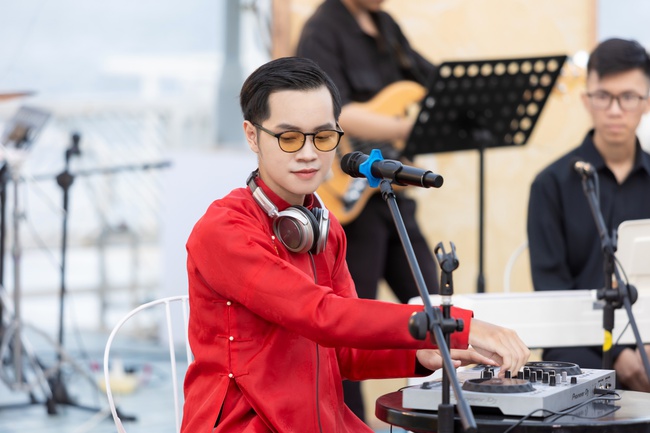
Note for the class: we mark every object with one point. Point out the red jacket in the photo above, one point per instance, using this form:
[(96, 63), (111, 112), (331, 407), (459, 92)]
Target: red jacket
[(271, 346)]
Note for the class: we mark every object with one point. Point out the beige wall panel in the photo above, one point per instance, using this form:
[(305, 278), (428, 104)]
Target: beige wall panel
[(487, 29)]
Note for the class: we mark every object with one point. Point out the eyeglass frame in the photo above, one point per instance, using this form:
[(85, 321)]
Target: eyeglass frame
[(639, 98), (304, 134)]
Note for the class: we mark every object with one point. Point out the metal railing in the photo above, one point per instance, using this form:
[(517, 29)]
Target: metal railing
[(116, 197)]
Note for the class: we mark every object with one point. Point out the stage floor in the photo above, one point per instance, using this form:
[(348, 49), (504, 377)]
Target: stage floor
[(150, 401)]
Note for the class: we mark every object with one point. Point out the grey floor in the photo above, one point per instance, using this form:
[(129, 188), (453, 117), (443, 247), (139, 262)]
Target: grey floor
[(82, 404), (145, 363)]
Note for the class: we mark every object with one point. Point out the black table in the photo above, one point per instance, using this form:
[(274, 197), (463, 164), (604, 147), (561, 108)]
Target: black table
[(631, 414)]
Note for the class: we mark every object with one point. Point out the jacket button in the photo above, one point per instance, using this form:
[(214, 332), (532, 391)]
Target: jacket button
[(229, 303), (231, 375), (231, 338)]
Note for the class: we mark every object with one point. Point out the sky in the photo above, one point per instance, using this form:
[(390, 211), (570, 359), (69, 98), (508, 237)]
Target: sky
[(62, 47)]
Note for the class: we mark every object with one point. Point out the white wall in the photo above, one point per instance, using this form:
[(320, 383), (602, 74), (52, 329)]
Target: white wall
[(195, 180)]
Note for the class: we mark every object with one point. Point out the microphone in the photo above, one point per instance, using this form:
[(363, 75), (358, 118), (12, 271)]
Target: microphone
[(583, 168), (375, 168)]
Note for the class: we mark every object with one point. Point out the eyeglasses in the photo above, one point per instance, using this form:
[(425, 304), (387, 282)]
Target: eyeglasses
[(292, 141), (628, 101)]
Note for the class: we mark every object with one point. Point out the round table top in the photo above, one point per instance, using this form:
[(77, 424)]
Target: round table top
[(629, 414)]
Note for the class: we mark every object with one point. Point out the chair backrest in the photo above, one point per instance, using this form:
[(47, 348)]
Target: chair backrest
[(167, 303), (507, 273)]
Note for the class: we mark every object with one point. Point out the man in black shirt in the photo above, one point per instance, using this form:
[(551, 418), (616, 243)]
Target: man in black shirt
[(565, 246), (363, 50)]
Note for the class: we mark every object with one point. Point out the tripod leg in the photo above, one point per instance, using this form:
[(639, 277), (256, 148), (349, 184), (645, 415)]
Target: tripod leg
[(24, 382)]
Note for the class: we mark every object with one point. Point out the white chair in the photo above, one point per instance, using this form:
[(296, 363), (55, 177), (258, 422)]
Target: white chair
[(167, 302), (507, 273)]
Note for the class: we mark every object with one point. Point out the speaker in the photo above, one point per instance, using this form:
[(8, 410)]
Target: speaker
[(299, 229)]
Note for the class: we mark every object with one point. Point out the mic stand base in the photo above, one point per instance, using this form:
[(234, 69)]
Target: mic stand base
[(446, 414), (60, 396)]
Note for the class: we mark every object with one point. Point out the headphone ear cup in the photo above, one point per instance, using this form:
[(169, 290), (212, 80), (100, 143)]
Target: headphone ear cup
[(297, 228)]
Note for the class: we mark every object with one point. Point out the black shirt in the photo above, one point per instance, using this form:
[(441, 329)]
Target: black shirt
[(360, 65), (564, 244)]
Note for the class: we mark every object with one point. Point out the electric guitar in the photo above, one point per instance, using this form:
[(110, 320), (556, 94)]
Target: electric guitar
[(346, 196)]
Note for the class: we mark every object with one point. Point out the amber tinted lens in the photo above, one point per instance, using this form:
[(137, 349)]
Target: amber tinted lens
[(326, 140), (291, 141)]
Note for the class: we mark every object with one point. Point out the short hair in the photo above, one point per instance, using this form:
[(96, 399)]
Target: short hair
[(285, 73), (618, 55)]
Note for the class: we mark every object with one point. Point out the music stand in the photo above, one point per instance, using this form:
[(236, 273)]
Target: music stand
[(19, 134), (478, 104)]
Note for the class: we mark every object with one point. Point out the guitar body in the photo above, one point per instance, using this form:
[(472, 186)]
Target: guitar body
[(346, 196)]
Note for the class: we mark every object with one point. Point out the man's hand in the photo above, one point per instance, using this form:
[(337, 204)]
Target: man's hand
[(630, 371), (502, 345), (431, 358)]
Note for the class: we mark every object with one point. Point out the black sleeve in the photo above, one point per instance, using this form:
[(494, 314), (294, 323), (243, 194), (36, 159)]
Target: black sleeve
[(421, 370)]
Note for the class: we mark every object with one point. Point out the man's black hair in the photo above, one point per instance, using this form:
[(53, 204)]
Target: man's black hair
[(285, 73), (618, 55)]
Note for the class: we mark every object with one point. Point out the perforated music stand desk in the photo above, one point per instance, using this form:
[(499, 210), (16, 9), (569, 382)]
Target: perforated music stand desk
[(478, 104)]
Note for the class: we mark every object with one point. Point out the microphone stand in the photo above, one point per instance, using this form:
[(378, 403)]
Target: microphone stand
[(65, 180), (440, 326), (3, 231), (448, 263), (622, 294)]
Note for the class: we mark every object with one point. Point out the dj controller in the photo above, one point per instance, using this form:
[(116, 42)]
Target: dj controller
[(552, 386)]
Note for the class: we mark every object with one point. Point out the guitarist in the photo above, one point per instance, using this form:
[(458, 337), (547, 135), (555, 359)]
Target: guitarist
[(363, 50)]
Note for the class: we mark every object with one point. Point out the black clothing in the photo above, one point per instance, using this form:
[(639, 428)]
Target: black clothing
[(565, 250), (361, 66), (375, 251), (564, 244)]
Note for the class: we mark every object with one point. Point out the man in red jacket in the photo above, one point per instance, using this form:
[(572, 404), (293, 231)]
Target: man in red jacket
[(275, 322)]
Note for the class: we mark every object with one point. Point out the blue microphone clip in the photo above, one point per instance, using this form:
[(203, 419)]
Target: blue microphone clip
[(365, 167)]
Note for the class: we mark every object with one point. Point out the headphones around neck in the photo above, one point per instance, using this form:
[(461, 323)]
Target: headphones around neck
[(299, 229)]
